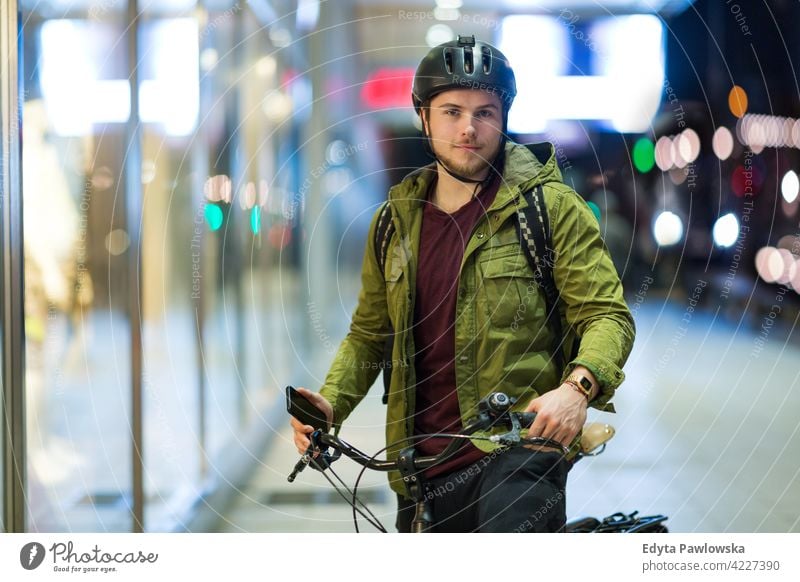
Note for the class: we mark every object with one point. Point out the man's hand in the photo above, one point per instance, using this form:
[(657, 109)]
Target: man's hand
[(560, 414), (301, 431)]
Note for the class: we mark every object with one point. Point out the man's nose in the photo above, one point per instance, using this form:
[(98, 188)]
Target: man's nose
[(469, 129)]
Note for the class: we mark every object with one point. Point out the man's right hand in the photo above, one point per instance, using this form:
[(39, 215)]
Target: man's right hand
[(301, 431)]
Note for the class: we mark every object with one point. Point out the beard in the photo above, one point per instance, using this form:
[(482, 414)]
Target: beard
[(470, 164)]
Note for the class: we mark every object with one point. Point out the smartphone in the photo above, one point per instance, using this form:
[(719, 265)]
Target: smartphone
[(304, 410)]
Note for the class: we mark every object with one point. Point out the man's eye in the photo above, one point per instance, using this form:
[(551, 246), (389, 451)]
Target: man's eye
[(484, 114), (452, 112)]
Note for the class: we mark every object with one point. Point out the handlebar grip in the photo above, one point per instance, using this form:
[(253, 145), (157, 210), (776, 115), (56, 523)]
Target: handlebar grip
[(526, 418)]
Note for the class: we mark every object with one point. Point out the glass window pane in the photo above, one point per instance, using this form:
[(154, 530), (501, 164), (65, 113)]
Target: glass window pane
[(76, 250)]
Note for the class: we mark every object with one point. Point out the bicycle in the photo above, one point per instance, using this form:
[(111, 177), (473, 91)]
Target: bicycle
[(494, 411)]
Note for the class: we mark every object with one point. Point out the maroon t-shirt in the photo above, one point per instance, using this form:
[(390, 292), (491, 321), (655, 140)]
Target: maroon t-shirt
[(441, 248)]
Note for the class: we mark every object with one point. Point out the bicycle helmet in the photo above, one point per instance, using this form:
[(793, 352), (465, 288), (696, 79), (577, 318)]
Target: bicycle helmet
[(464, 63)]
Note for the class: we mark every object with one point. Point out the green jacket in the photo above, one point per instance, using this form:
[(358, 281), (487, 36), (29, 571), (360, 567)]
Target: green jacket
[(501, 340)]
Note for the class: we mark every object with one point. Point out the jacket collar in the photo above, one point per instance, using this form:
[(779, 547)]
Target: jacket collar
[(525, 167)]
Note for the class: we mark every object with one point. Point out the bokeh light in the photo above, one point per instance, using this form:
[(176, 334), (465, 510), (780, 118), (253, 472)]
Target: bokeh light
[(769, 264), (737, 101), (790, 186), (668, 229), (726, 230), (722, 143), (644, 155), (214, 216)]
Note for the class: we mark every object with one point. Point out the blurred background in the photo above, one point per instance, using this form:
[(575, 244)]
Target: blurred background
[(186, 190)]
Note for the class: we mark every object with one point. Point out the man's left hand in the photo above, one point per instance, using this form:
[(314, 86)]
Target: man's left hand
[(560, 414)]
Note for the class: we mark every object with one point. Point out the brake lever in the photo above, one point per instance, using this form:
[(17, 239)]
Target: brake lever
[(314, 456)]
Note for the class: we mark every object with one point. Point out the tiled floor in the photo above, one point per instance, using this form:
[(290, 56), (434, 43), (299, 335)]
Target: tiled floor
[(707, 433)]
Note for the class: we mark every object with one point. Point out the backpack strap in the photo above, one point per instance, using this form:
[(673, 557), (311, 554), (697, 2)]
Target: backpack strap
[(384, 230), (383, 234), (533, 228)]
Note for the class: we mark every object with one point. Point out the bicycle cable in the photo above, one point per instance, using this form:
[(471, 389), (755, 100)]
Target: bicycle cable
[(409, 439), (377, 525)]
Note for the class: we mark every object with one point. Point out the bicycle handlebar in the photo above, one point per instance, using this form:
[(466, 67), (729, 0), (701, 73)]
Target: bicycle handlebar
[(493, 411)]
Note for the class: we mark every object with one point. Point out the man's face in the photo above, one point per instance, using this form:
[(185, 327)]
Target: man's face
[(465, 127)]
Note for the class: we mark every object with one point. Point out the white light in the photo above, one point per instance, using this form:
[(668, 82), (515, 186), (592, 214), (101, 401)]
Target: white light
[(438, 34), (266, 66), (722, 143), (449, 3), (307, 14), (769, 264), (726, 230), (795, 282), (789, 267), (277, 106), (664, 159), (668, 229), (629, 51), (209, 59), (76, 99), (689, 145), (790, 186), (280, 37), (521, 36), (173, 97), (677, 158)]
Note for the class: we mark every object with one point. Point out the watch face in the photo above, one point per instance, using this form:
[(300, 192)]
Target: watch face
[(586, 383)]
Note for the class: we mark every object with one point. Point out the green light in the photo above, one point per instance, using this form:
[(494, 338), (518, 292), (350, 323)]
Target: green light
[(255, 219), (214, 217), (595, 209), (644, 155)]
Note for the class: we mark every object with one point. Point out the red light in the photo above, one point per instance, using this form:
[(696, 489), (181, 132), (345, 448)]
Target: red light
[(746, 181), (388, 87)]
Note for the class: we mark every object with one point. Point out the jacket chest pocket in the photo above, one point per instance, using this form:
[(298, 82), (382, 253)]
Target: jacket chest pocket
[(508, 286), (397, 297)]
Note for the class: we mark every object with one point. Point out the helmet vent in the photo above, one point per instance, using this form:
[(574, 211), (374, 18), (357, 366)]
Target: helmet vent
[(448, 60), (486, 59), (469, 66)]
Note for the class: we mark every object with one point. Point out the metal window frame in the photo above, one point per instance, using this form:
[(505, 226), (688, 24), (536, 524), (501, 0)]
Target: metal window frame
[(12, 290)]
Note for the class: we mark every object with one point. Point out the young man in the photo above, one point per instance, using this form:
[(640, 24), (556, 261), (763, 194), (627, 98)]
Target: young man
[(468, 318)]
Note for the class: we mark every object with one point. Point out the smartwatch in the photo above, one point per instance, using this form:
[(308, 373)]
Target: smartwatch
[(581, 383)]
